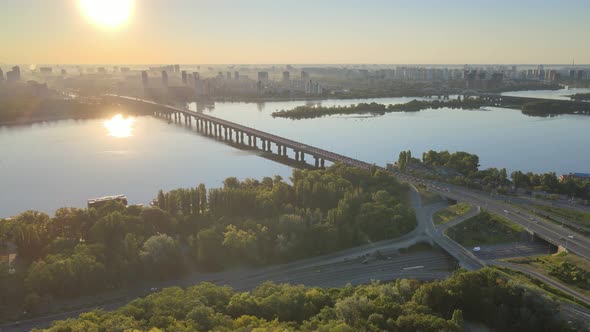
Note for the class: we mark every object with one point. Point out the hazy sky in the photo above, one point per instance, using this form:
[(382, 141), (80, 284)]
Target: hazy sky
[(301, 31)]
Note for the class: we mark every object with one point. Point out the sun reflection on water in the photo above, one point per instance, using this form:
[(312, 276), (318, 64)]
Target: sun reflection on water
[(118, 126)]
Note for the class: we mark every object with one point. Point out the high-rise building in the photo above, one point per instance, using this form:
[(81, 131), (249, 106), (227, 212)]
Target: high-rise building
[(16, 71), (196, 76), (263, 76), (304, 76), (144, 79), (286, 76), (1, 75), (45, 70), (13, 75), (164, 78), (228, 75), (184, 78), (236, 75), (177, 68)]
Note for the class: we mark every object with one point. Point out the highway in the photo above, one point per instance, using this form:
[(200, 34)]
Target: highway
[(552, 233)]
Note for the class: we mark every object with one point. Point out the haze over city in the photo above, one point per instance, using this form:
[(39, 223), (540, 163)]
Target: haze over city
[(267, 31), (276, 165)]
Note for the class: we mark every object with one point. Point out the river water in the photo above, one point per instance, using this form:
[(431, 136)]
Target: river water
[(63, 163)]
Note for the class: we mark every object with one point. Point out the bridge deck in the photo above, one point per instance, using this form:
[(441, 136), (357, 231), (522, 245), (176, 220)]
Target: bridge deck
[(312, 150)]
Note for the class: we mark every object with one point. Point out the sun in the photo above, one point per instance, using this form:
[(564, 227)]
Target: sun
[(107, 13)]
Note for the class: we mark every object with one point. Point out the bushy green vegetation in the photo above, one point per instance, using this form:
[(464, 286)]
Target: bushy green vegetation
[(403, 305), (250, 222), (462, 162), (568, 268), (581, 96), (575, 216), (26, 108), (454, 211), (308, 112), (462, 169), (484, 229), (555, 107)]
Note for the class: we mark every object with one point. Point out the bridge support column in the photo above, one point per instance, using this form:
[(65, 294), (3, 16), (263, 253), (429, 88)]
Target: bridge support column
[(317, 162), (284, 151), (302, 157), (242, 137), (255, 145), (322, 161), (249, 140)]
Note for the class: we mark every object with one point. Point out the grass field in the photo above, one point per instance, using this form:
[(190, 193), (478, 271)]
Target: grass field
[(450, 213), (483, 229), (578, 217), (427, 196), (567, 268)]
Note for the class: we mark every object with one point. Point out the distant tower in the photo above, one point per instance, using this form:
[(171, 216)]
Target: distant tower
[(304, 76), (184, 78), (144, 79), (228, 75), (16, 71), (1, 75), (286, 76), (164, 78), (237, 75), (176, 68)]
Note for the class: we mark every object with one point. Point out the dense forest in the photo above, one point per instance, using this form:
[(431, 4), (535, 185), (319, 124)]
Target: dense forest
[(462, 168), (581, 96), (555, 107), (23, 108), (250, 222), (404, 305), (308, 112)]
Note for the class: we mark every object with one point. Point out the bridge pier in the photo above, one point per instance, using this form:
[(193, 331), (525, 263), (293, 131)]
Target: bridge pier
[(284, 151), (322, 162), (317, 161)]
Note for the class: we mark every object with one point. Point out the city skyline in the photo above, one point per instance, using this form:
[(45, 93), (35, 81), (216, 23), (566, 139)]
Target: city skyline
[(267, 32)]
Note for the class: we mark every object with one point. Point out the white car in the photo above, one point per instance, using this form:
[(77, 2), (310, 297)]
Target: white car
[(570, 236), (476, 249)]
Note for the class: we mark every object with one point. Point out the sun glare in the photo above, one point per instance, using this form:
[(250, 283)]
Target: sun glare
[(107, 13), (118, 126)]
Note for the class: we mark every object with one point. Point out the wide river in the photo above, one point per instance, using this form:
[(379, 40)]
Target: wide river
[(63, 163)]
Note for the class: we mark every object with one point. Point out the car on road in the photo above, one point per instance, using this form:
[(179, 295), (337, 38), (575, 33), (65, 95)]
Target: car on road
[(570, 236), (366, 261), (506, 211), (476, 249)]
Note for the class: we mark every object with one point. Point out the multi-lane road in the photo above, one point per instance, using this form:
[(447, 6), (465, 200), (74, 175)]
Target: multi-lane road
[(550, 232)]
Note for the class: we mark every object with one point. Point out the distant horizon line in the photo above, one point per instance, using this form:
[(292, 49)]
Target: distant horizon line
[(296, 64)]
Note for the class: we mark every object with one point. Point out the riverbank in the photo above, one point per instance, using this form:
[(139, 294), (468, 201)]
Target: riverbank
[(309, 112)]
